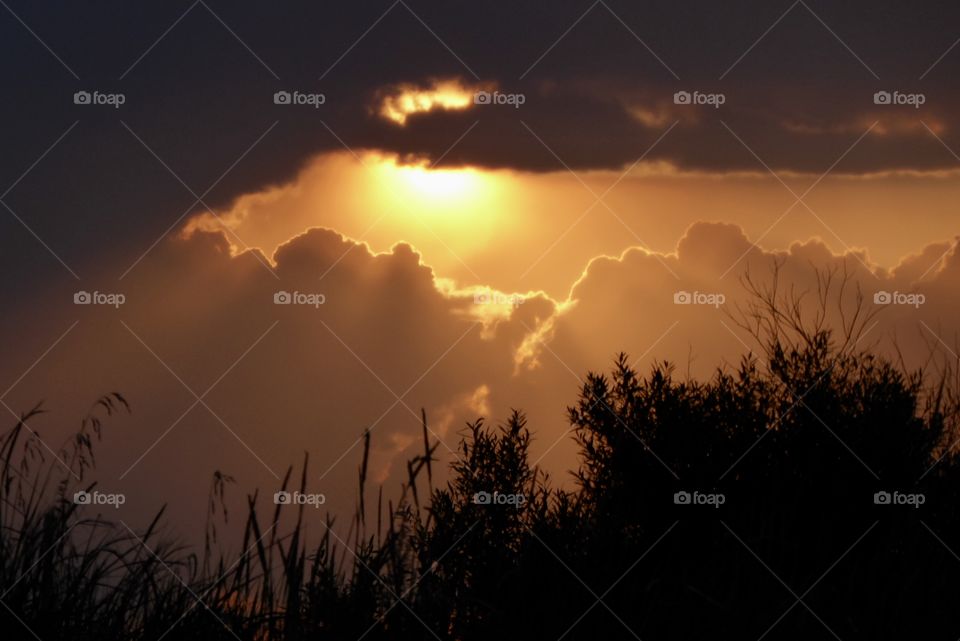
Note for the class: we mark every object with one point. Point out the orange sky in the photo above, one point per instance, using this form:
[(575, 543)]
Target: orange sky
[(490, 201), (518, 231), (407, 259)]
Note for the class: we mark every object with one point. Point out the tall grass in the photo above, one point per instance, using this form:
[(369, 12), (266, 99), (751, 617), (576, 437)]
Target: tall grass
[(65, 576)]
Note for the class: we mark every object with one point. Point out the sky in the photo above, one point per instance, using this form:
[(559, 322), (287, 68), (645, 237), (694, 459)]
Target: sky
[(297, 221)]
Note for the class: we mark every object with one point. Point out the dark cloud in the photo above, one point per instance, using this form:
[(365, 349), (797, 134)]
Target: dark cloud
[(201, 94)]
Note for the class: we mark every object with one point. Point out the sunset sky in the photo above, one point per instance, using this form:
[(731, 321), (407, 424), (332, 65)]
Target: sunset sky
[(478, 203)]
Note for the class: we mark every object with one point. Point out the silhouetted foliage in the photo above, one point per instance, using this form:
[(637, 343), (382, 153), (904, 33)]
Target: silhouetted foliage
[(796, 442)]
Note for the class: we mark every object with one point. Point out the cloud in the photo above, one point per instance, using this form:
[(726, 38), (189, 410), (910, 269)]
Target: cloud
[(521, 231), (354, 331), (679, 307), (360, 328), (399, 102), (607, 122)]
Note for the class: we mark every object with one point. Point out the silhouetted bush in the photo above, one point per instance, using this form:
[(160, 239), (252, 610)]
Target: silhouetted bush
[(751, 505)]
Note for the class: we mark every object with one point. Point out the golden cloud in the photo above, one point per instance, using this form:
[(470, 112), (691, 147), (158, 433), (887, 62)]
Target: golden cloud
[(401, 101)]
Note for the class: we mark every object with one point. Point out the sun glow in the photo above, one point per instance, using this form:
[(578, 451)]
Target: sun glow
[(451, 215), (453, 193), (442, 184), (463, 204)]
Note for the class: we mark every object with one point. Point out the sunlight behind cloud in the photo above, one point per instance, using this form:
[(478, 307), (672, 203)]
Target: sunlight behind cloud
[(461, 209), (454, 194), (401, 101), (440, 184), (519, 231), (451, 214)]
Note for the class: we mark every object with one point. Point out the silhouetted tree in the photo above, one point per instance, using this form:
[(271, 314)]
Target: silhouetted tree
[(749, 505)]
